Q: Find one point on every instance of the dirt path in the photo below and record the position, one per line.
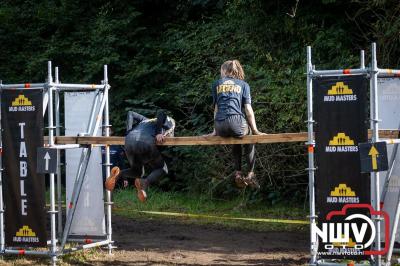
(159, 242)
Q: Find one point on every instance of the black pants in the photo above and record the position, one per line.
(140, 154)
(236, 126)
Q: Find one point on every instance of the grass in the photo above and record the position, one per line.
(201, 209)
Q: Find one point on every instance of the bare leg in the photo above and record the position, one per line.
(250, 150)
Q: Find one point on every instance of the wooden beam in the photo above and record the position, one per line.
(192, 140)
(113, 140)
(215, 140)
(386, 134)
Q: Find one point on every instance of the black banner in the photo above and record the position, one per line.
(24, 189)
(341, 124)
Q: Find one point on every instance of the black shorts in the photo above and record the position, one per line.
(232, 126)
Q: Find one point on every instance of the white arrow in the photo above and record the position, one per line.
(47, 158)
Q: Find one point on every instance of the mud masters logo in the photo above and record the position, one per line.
(26, 235)
(340, 92)
(341, 143)
(342, 194)
(21, 104)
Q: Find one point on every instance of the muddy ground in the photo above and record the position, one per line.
(164, 242)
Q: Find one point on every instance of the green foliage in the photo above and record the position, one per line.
(165, 55)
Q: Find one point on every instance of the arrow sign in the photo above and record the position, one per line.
(373, 157)
(47, 158)
(373, 152)
(47, 161)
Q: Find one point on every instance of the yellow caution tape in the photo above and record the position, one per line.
(190, 215)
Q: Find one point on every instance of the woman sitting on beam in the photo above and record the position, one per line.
(231, 94)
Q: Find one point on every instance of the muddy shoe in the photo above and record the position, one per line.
(141, 185)
(112, 179)
(239, 180)
(252, 181)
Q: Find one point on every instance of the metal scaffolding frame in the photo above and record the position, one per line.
(99, 112)
(59, 235)
(311, 74)
(373, 72)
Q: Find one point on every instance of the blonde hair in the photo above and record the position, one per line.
(232, 69)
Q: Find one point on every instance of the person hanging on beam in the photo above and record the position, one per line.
(234, 117)
(140, 147)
